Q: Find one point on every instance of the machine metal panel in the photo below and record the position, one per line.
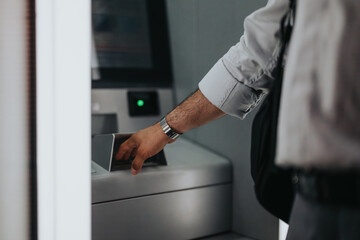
(115, 101)
(182, 215)
(189, 166)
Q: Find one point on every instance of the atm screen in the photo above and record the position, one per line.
(121, 34)
(130, 43)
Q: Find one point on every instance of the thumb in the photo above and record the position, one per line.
(137, 164)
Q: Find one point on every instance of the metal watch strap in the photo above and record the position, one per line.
(168, 130)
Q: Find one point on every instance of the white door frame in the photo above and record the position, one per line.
(63, 119)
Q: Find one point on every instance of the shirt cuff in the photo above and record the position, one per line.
(227, 93)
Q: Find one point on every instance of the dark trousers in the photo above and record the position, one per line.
(313, 221)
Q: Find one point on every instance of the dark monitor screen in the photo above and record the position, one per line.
(121, 34)
(130, 43)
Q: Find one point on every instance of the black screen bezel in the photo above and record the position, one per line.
(160, 75)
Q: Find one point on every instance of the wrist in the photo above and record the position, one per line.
(176, 124)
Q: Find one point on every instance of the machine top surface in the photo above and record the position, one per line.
(189, 166)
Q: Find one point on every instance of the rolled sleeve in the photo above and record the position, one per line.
(237, 82)
(226, 93)
(217, 91)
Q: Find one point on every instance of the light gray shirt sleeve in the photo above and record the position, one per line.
(237, 82)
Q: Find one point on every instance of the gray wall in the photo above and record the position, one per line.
(201, 31)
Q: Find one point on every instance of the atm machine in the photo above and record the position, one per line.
(183, 192)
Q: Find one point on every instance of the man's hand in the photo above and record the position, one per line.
(193, 112)
(143, 145)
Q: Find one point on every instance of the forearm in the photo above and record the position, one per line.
(195, 111)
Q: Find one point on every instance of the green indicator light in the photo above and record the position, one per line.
(140, 103)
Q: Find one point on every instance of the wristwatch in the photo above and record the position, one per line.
(168, 130)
